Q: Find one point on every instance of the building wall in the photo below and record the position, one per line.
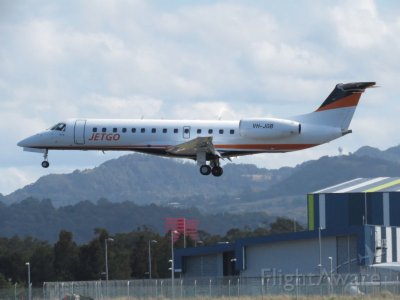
(385, 244)
(286, 257)
(394, 203)
(347, 254)
(204, 265)
(354, 209)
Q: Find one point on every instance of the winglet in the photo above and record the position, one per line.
(345, 95)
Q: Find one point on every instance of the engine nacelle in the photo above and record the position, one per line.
(268, 128)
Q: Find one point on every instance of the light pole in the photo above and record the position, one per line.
(29, 281)
(150, 242)
(106, 243)
(320, 251)
(196, 243)
(331, 272)
(172, 264)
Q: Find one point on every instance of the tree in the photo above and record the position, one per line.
(42, 261)
(66, 257)
(139, 257)
(92, 257)
(283, 225)
(4, 282)
(91, 261)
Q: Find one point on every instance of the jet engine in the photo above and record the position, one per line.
(268, 128)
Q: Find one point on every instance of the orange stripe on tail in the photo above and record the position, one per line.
(348, 101)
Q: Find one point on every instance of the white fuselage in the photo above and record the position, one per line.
(154, 136)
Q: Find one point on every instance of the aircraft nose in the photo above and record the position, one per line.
(28, 142)
(23, 143)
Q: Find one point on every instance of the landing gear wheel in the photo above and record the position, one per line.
(205, 170)
(217, 171)
(45, 163)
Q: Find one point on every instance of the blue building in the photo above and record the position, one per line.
(350, 227)
(356, 202)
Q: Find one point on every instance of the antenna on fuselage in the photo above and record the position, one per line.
(220, 114)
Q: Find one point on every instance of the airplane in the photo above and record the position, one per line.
(206, 141)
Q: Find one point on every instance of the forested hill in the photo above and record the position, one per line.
(145, 179)
(41, 220)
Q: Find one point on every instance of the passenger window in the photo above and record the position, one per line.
(198, 131)
(103, 129)
(94, 129)
(124, 130)
(153, 130)
(176, 130)
(232, 131)
(186, 130)
(133, 130)
(143, 130)
(115, 129)
(210, 131)
(164, 130)
(221, 131)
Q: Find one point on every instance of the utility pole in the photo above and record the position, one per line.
(105, 243)
(150, 242)
(172, 265)
(29, 281)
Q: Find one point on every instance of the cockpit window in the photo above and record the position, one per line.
(59, 127)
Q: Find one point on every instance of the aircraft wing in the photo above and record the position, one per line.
(195, 146)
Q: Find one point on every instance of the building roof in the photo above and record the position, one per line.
(364, 185)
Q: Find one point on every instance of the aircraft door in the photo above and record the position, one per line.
(186, 132)
(79, 132)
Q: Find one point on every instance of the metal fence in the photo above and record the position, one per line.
(295, 286)
(18, 292)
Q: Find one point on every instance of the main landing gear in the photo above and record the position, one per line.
(213, 168)
(45, 162)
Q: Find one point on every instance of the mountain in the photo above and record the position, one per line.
(40, 219)
(144, 179)
(392, 154)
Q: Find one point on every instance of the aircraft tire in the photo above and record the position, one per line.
(45, 164)
(205, 170)
(217, 171)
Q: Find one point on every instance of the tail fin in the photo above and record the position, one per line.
(338, 108)
(345, 95)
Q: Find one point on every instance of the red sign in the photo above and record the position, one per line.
(183, 226)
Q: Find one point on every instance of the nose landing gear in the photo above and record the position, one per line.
(45, 162)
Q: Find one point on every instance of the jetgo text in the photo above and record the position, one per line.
(105, 137)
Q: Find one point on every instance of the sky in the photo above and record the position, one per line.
(190, 60)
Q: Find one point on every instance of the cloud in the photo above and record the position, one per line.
(200, 60)
(205, 111)
(360, 27)
(13, 178)
(132, 107)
